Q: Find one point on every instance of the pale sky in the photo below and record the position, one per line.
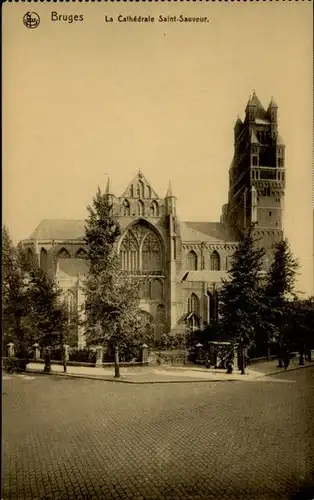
(85, 100)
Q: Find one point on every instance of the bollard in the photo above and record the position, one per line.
(10, 350)
(144, 353)
(235, 359)
(66, 348)
(199, 352)
(36, 352)
(99, 356)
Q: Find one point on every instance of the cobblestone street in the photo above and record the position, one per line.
(70, 438)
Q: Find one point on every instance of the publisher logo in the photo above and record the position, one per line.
(31, 20)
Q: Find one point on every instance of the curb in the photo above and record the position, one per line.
(146, 382)
(282, 370)
(121, 381)
(140, 382)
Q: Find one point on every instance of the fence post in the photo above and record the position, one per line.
(99, 356)
(10, 350)
(199, 353)
(36, 352)
(144, 353)
(235, 358)
(66, 352)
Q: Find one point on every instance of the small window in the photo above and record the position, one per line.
(253, 174)
(254, 161)
(269, 213)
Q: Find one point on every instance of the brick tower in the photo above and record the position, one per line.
(257, 173)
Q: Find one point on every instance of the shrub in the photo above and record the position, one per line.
(171, 357)
(56, 354)
(85, 355)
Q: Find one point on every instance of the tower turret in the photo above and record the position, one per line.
(251, 109)
(272, 113)
(170, 201)
(237, 128)
(108, 193)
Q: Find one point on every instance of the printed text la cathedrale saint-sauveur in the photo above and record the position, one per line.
(74, 18)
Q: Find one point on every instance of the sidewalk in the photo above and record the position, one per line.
(260, 371)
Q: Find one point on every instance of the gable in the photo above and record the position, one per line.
(139, 187)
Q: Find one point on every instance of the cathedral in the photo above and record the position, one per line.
(183, 261)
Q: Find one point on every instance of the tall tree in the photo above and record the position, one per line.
(14, 300)
(101, 233)
(279, 292)
(301, 326)
(47, 314)
(241, 306)
(111, 295)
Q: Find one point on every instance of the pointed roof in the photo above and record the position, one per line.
(272, 104)
(280, 141)
(254, 139)
(108, 191)
(139, 177)
(169, 191)
(238, 122)
(254, 101)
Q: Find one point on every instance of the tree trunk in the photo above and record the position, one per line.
(116, 362)
(301, 360)
(47, 367)
(63, 354)
(280, 357)
(64, 360)
(242, 361)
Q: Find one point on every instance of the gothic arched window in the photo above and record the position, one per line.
(174, 248)
(129, 255)
(70, 302)
(192, 261)
(213, 304)
(215, 261)
(30, 257)
(145, 290)
(43, 260)
(141, 250)
(149, 192)
(142, 189)
(140, 208)
(154, 209)
(132, 191)
(193, 319)
(156, 289)
(160, 320)
(194, 304)
(80, 254)
(64, 254)
(151, 253)
(126, 208)
(160, 314)
(208, 306)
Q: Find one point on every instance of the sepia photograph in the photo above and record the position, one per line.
(157, 245)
